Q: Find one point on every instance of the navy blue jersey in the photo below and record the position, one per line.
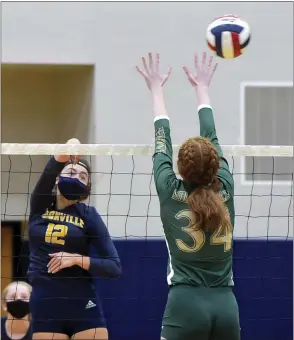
(71, 230)
(4, 335)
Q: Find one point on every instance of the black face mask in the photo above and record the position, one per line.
(18, 308)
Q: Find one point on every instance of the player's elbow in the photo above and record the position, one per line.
(107, 268)
(116, 270)
(210, 134)
(112, 269)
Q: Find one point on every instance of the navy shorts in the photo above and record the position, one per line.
(65, 307)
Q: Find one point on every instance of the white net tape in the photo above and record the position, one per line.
(134, 150)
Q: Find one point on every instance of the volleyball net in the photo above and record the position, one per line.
(123, 188)
(124, 194)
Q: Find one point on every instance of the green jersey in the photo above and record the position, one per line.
(195, 257)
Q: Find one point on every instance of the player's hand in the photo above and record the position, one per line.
(151, 73)
(60, 261)
(203, 73)
(67, 158)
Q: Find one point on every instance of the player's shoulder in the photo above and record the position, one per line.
(227, 184)
(87, 210)
(226, 192)
(226, 178)
(179, 192)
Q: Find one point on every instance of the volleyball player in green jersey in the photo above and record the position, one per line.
(197, 214)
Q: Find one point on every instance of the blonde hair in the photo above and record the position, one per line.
(22, 283)
(198, 163)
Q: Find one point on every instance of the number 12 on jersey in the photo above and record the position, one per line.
(198, 236)
(55, 233)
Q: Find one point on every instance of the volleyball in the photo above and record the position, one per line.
(228, 36)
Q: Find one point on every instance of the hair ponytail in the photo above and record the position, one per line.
(198, 163)
(208, 208)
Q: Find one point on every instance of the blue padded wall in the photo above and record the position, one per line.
(263, 272)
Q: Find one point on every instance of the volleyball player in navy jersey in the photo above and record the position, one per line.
(64, 303)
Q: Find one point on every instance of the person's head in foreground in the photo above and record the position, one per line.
(16, 297)
(74, 182)
(198, 163)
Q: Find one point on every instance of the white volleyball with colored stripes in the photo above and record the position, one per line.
(228, 36)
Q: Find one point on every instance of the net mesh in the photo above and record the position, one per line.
(124, 194)
(123, 188)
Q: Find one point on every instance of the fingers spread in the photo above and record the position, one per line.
(187, 71)
(145, 65)
(196, 64)
(157, 62)
(212, 72)
(214, 68)
(141, 72)
(210, 61)
(151, 72)
(150, 61)
(167, 75)
(203, 59)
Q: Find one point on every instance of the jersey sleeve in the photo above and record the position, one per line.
(108, 263)
(3, 332)
(164, 176)
(207, 129)
(41, 197)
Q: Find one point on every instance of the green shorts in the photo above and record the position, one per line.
(201, 313)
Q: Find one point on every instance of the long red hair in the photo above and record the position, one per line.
(198, 163)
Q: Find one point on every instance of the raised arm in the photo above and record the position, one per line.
(201, 81)
(42, 197)
(164, 176)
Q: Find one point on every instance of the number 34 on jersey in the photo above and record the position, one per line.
(198, 236)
